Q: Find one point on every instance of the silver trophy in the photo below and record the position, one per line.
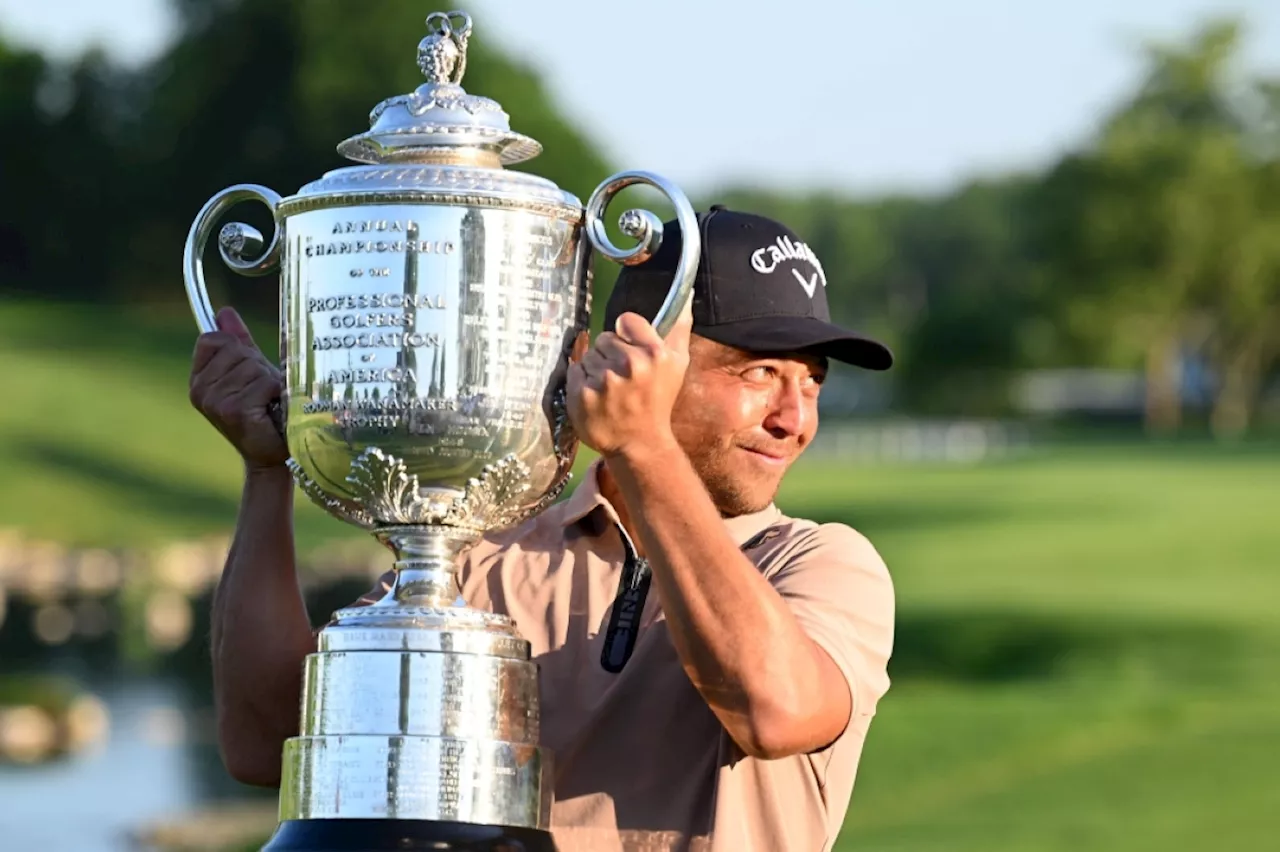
(429, 302)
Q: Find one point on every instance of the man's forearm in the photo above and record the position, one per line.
(771, 687)
(261, 632)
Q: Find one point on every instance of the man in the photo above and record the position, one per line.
(709, 666)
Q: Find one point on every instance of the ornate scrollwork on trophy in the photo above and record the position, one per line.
(386, 489)
(417, 103)
(343, 510)
(238, 240)
(490, 500)
(387, 494)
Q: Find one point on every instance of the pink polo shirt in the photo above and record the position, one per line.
(641, 763)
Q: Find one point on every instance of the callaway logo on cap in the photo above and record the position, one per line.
(759, 287)
(768, 258)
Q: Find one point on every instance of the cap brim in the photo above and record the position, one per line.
(801, 334)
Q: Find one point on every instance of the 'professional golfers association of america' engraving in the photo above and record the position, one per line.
(429, 302)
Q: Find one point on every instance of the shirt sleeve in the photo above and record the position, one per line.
(840, 591)
(379, 589)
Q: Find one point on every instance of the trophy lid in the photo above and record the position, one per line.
(439, 122)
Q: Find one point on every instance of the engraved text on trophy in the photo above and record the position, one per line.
(427, 321)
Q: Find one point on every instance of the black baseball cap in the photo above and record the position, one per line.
(759, 287)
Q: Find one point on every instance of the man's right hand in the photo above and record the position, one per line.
(232, 385)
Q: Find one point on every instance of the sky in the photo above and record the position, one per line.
(862, 96)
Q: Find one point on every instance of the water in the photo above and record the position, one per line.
(157, 764)
(159, 760)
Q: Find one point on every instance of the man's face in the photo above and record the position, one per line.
(743, 418)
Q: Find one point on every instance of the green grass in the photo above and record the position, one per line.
(1087, 652)
(99, 441)
(1087, 764)
(1186, 532)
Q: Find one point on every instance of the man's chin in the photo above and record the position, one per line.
(755, 497)
(736, 486)
(739, 510)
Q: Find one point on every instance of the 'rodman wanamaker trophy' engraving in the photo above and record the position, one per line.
(429, 302)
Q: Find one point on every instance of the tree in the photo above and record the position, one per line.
(1239, 291)
(946, 281)
(21, 74)
(248, 92)
(1150, 232)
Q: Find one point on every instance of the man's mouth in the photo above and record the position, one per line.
(773, 456)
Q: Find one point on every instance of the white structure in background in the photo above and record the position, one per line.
(1084, 391)
(920, 441)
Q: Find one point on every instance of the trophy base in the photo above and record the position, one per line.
(377, 835)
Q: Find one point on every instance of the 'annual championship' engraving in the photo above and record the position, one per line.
(379, 246)
(377, 227)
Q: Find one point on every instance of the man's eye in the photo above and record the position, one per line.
(757, 374)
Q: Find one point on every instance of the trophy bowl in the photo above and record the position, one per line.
(429, 303)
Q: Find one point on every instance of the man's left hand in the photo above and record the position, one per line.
(621, 392)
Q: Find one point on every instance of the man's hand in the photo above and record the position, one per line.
(621, 392)
(232, 385)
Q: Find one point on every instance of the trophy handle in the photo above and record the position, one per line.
(235, 241)
(646, 228)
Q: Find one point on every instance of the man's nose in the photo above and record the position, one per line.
(792, 412)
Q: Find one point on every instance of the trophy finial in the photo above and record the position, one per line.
(442, 54)
(439, 121)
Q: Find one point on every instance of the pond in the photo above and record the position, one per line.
(159, 763)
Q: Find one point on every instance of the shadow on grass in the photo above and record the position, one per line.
(992, 646)
(183, 502)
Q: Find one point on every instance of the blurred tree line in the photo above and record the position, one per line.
(1155, 245)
